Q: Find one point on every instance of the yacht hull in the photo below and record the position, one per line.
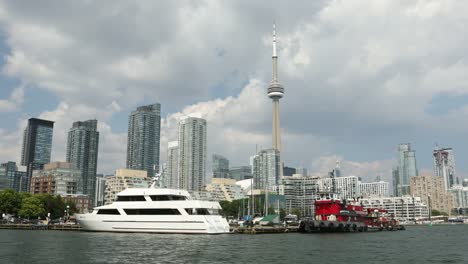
(194, 224)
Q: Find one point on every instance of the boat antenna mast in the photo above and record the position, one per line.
(155, 180)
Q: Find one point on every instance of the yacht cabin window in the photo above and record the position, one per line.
(152, 211)
(108, 212)
(168, 197)
(201, 211)
(134, 198)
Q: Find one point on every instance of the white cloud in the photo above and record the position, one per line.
(14, 102)
(367, 170)
(350, 80)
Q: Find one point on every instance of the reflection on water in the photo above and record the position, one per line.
(436, 244)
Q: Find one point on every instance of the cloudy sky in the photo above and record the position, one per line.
(359, 76)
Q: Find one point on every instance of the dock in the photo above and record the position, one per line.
(264, 229)
(41, 227)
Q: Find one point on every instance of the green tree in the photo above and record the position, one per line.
(52, 204)
(233, 208)
(282, 213)
(71, 207)
(296, 211)
(10, 202)
(435, 212)
(32, 207)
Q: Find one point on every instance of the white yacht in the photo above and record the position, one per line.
(155, 210)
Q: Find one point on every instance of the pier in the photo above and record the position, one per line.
(41, 227)
(264, 229)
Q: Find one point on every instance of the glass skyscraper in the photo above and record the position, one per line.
(192, 153)
(266, 169)
(172, 164)
(144, 132)
(240, 173)
(220, 166)
(12, 178)
(444, 166)
(406, 169)
(82, 153)
(37, 145)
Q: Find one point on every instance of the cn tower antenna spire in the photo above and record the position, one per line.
(275, 55)
(275, 92)
(274, 39)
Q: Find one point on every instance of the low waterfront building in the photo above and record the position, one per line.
(374, 189)
(123, 179)
(57, 178)
(225, 189)
(300, 192)
(81, 201)
(465, 183)
(460, 196)
(404, 208)
(431, 189)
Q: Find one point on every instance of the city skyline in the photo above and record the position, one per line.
(344, 101)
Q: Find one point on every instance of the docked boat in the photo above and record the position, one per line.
(156, 210)
(336, 215)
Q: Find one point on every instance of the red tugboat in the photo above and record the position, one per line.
(335, 215)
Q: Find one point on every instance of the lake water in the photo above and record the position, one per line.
(418, 244)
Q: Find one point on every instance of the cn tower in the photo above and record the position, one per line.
(276, 92)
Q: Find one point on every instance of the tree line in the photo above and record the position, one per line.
(238, 207)
(33, 206)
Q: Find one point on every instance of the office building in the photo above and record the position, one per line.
(288, 171)
(300, 193)
(82, 153)
(37, 145)
(465, 183)
(444, 166)
(100, 192)
(406, 169)
(13, 178)
(346, 187)
(432, 191)
(302, 171)
(172, 164)
(220, 166)
(123, 179)
(240, 173)
(374, 189)
(266, 169)
(144, 132)
(192, 153)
